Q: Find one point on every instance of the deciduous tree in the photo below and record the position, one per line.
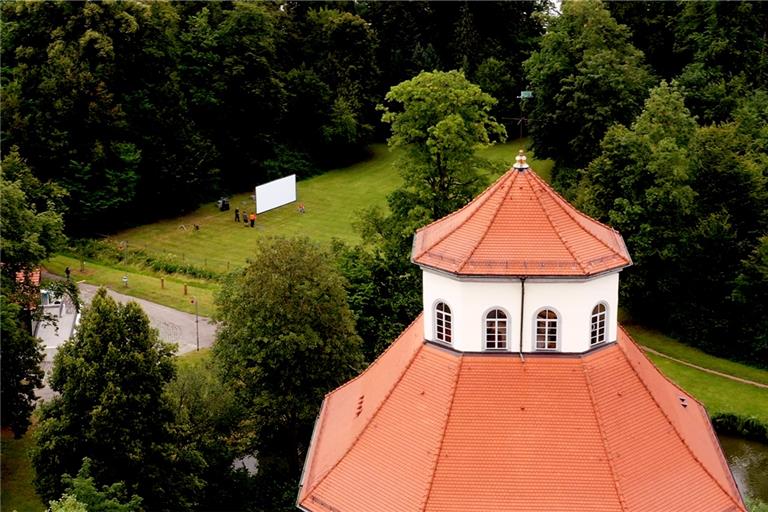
(112, 408)
(32, 229)
(286, 338)
(585, 77)
(439, 119)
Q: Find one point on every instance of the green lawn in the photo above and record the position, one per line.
(718, 394)
(332, 201)
(142, 284)
(17, 492)
(671, 347)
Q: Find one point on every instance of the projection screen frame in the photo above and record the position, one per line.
(275, 193)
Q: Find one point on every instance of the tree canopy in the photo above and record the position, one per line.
(441, 119)
(112, 409)
(692, 204)
(32, 229)
(585, 77)
(286, 338)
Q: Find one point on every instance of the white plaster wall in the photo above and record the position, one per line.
(469, 300)
(573, 302)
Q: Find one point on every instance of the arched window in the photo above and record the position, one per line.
(546, 330)
(443, 322)
(597, 325)
(496, 329)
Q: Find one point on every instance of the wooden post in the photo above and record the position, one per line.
(185, 289)
(227, 266)
(162, 283)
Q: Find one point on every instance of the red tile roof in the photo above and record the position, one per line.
(29, 276)
(520, 226)
(429, 429)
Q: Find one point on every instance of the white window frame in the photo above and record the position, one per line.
(558, 327)
(444, 318)
(497, 321)
(594, 321)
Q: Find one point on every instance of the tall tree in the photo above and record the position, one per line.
(653, 26)
(286, 338)
(640, 185)
(726, 47)
(585, 77)
(692, 203)
(439, 119)
(32, 230)
(112, 408)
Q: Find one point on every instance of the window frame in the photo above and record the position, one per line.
(605, 324)
(484, 327)
(435, 320)
(558, 329)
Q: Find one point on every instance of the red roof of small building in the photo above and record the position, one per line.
(29, 276)
(425, 428)
(520, 227)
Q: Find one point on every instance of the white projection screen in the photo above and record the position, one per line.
(275, 193)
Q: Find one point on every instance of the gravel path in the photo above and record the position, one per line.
(174, 327)
(707, 370)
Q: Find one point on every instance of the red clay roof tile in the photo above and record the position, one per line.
(520, 226)
(447, 431)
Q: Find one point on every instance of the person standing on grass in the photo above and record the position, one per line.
(67, 271)
(245, 219)
(237, 214)
(253, 219)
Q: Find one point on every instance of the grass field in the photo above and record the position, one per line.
(332, 202)
(17, 492)
(142, 284)
(718, 394)
(673, 348)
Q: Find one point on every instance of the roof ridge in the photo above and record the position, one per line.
(487, 193)
(557, 232)
(490, 222)
(603, 438)
(442, 437)
(392, 344)
(321, 479)
(666, 417)
(569, 211)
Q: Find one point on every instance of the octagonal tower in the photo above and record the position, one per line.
(520, 269)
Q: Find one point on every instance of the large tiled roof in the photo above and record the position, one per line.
(520, 227)
(425, 428)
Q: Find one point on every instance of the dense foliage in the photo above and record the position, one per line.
(164, 105)
(692, 204)
(586, 76)
(440, 120)
(112, 409)
(286, 337)
(32, 229)
(83, 494)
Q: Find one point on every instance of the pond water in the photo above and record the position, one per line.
(749, 464)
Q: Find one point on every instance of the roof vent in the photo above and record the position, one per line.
(683, 401)
(520, 162)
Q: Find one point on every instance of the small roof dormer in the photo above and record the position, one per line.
(520, 227)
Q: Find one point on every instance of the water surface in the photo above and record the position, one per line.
(749, 464)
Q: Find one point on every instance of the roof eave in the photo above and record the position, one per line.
(580, 276)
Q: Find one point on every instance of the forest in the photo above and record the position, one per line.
(116, 114)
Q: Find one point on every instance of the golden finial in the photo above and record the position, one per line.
(520, 161)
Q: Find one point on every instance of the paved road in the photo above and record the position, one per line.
(174, 327)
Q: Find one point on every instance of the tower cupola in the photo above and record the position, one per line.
(520, 269)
